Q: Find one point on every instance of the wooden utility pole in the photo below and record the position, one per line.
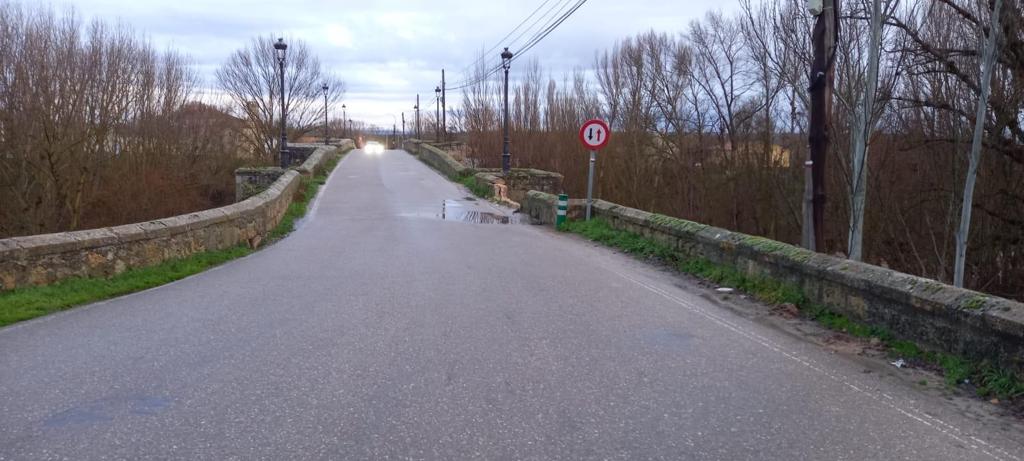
(826, 31)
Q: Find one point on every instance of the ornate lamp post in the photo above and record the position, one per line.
(417, 109)
(344, 121)
(506, 156)
(326, 137)
(280, 49)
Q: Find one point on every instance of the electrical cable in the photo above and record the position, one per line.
(499, 42)
(539, 36)
(547, 19)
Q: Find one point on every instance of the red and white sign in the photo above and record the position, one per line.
(594, 134)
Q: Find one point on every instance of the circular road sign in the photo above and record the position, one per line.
(594, 134)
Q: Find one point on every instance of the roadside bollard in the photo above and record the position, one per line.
(563, 206)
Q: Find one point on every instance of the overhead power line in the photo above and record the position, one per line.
(537, 37)
(499, 42)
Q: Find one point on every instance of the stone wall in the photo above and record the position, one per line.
(509, 190)
(44, 259)
(522, 180)
(316, 159)
(940, 316)
(438, 159)
(251, 181)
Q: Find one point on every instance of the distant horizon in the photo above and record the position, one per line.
(388, 51)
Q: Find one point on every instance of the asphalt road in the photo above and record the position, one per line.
(379, 330)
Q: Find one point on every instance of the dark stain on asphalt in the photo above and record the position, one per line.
(108, 409)
(668, 338)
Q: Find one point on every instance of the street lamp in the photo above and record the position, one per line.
(326, 137)
(394, 129)
(344, 117)
(506, 156)
(437, 119)
(280, 49)
(417, 108)
(403, 127)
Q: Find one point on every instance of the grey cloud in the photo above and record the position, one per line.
(387, 50)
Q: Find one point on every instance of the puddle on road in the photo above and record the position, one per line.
(452, 210)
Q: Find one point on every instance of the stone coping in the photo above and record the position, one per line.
(439, 159)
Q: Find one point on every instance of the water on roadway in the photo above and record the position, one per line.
(379, 330)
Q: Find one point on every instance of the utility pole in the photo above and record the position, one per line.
(444, 111)
(417, 116)
(824, 35)
(437, 116)
(403, 126)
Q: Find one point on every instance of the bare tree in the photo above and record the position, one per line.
(866, 115)
(97, 128)
(710, 126)
(250, 78)
(988, 60)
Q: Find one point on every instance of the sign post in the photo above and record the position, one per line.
(594, 135)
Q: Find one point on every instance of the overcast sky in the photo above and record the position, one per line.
(388, 50)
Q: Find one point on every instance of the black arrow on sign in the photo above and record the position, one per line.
(590, 134)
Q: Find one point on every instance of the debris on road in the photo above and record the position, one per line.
(725, 290)
(788, 310)
(899, 363)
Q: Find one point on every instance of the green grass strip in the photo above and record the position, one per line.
(478, 190)
(31, 302)
(28, 303)
(988, 379)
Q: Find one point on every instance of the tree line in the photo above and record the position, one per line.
(98, 128)
(710, 124)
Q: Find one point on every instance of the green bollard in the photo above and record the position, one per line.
(563, 207)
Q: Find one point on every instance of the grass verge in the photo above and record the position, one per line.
(478, 190)
(28, 303)
(986, 379)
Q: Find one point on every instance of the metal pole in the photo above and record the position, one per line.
(326, 137)
(506, 156)
(403, 126)
(344, 121)
(590, 182)
(437, 114)
(444, 111)
(418, 116)
(285, 155)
